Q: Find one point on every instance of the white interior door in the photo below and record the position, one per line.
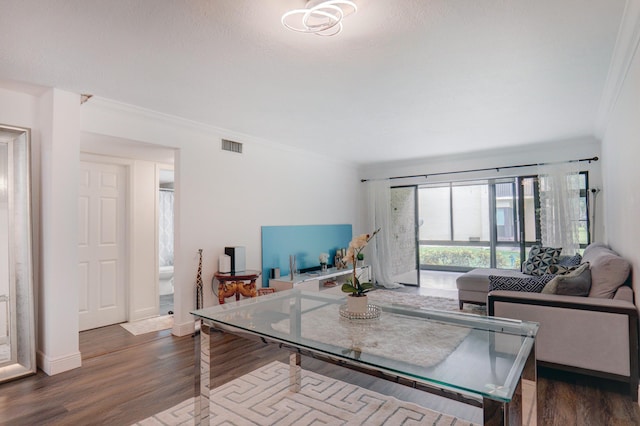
(101, 244)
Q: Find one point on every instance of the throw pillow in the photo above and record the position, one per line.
(608, 271)
(595, 247)
(540, 259)
(529, 284)
(574, 260)
(559, 269)
(575, 283)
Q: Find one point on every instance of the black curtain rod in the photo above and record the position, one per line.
(497, 169)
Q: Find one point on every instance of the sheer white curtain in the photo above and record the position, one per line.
(560, 206)
(379, 216)
(165, 236)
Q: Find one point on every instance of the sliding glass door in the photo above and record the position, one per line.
(479, 224)
(458, 226)
(404, 244)
(455, 233)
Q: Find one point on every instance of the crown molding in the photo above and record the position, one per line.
(626, 48)
(187, 126)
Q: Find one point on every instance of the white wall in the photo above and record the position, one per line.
(621, 156)
(223, 198)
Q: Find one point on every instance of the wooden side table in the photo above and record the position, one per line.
(236, 283)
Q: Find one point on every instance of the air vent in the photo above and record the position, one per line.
(231, 146)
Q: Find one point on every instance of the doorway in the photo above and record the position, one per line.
(142, 162)
(165, 240)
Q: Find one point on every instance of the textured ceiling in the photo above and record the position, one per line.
(405, 79)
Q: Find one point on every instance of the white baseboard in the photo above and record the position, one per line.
(183, 329)
(58, 365)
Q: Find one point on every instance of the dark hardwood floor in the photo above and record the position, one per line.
(126, 378)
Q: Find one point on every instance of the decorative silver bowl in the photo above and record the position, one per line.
(372, 312)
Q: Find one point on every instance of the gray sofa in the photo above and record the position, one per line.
(595, 335)
(608, 272)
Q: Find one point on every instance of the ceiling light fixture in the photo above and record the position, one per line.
(319, 17)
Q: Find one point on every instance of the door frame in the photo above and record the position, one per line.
(127, 164)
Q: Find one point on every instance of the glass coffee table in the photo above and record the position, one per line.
(474, 359)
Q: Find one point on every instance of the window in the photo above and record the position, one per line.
(436, 218)
(488, 223)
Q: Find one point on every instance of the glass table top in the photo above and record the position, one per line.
(480, 355)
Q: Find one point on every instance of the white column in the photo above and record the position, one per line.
(58, 347)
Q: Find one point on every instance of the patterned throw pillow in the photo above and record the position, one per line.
(574, 260)
(529, 284)
(540, 260)
(559, 269)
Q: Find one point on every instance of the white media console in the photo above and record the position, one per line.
(331, 280)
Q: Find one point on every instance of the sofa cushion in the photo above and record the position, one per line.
(478, 279)
(530, 284)
(595, 247)
(575, 283)
(540, 260)
(608, 270)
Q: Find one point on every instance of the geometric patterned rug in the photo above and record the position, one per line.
(262, 398)
(148, 325)
(429, 302)
(430, 343)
